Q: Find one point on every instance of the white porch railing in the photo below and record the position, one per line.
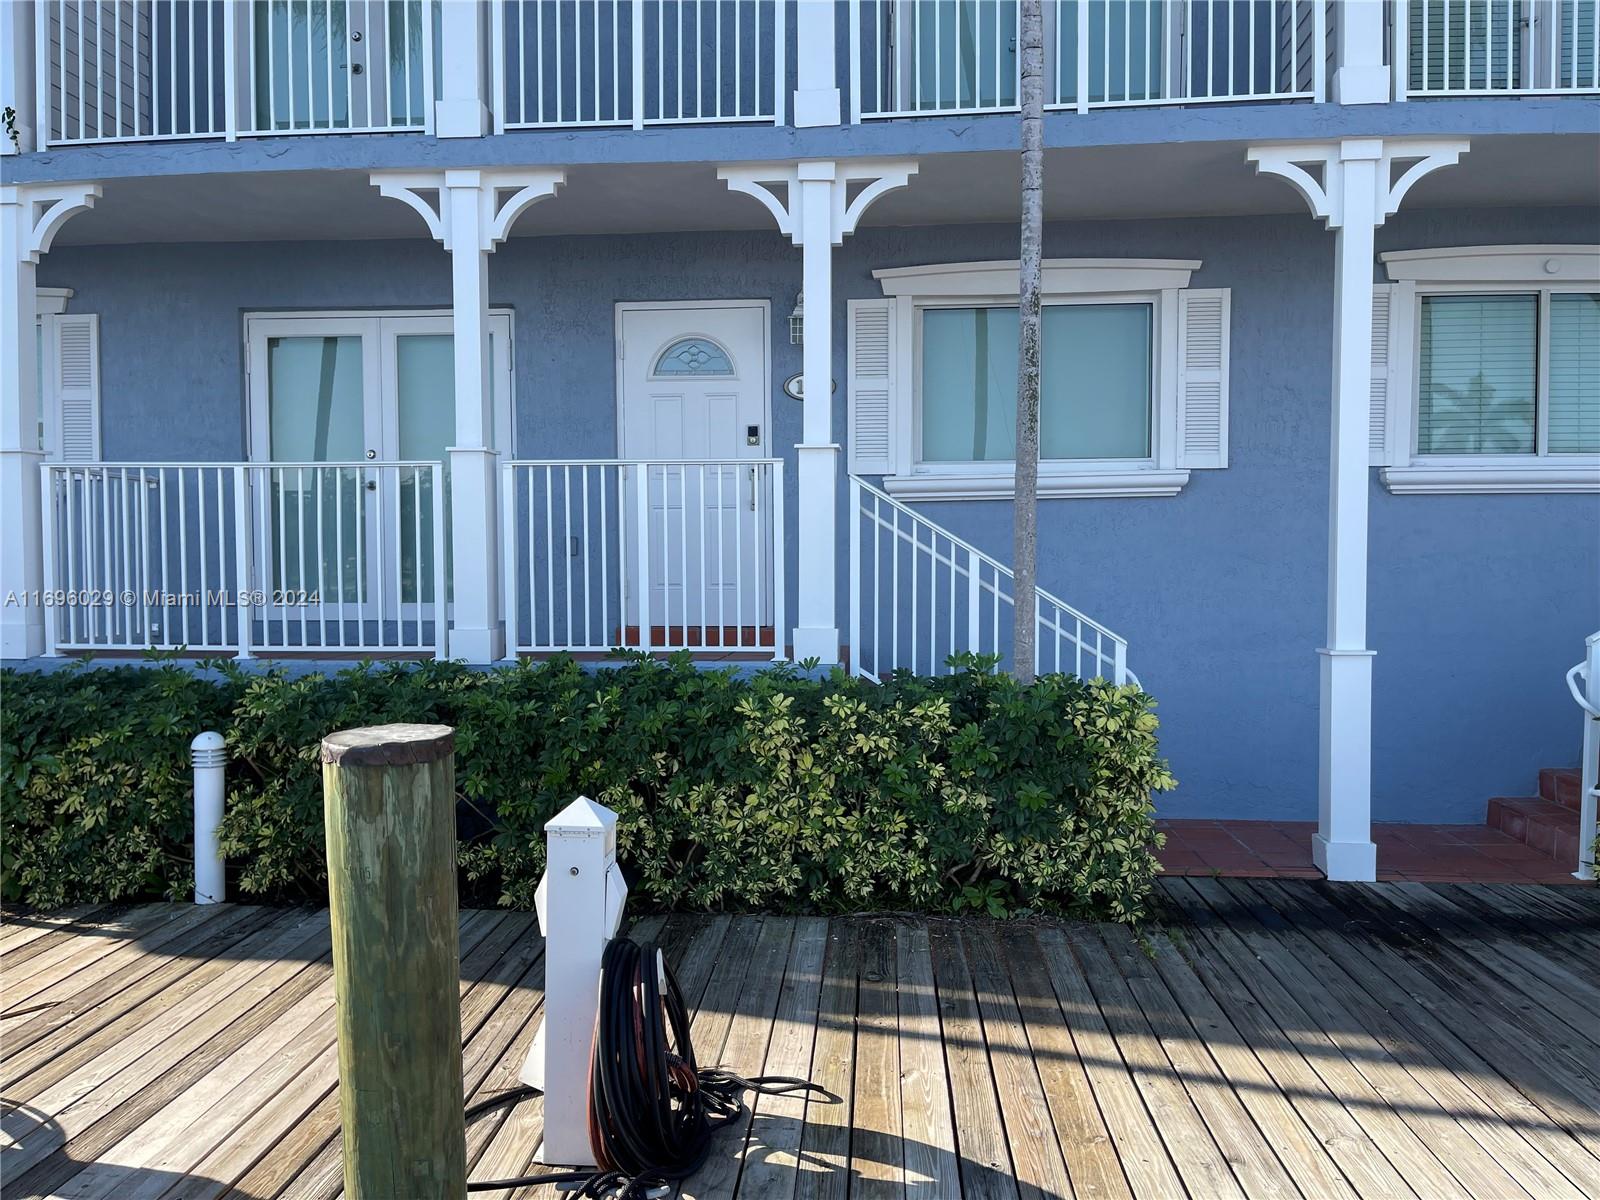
(137, 70)
(566, 63)
(1495, 47)
(919, 594)
(652, 555)
(946, 57)
(1583, 681)
(245, 557)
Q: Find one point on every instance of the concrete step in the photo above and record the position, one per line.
(1541, 824)
(1561, 785)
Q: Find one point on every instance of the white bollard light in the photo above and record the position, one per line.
(210, 757)
(580, 901)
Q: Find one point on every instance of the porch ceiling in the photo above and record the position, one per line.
(1121, 182)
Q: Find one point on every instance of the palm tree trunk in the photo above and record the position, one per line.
(1025, 537)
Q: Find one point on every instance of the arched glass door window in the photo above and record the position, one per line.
(693, 356)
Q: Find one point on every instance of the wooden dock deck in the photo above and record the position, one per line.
(1270, 1038)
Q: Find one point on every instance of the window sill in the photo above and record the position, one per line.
(1577, 474)
(1001, 485)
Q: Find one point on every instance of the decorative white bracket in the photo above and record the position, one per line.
(47, 207)
(504, 194)
(1326, 195)
(762, 180)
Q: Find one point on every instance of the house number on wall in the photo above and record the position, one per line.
(794, 387)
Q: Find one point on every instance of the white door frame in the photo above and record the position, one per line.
(767, 448)
(378, 329)
(626, 306)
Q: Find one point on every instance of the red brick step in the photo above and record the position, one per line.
(1543, 825)
(1561, 785)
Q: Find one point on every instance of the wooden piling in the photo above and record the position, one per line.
(389, 805)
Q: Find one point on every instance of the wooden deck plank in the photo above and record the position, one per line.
(825, 1139)
(984, 1157)
(1360, 1028)
(1431, 1055)
(742, 1052)
(1328, 1041)
(1408, 1154)
(1141, 1152)
(17, 929)
(771, 1157)
(1205, 1170)
(1248, 1148)
(877, 1156)
(75, 952)
(1470, 1080)
(94, 1007)
(1182, 957)
(928, 1128)
(1041, 1170)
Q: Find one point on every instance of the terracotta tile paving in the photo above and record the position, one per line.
(1420, 853)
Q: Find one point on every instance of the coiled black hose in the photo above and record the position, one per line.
(652, 1110)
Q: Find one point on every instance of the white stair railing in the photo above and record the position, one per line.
(1587, 694)
(245, 558)
(919, 594)
(647, 554)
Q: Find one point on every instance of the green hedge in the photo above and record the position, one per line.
(772, 790)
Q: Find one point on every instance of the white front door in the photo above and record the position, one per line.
(694, 386)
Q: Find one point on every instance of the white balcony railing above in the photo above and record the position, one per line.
(919, 594)
(1495, 47)
(137, 70)
(347, 558)
(931, 57)
(565, 63)
(651, 555)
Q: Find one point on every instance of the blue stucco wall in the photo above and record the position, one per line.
(1478, 604)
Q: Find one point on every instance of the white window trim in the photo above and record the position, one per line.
(1543, 269)
(1065, 281)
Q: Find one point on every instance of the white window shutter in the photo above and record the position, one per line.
(870, 370)
(1383, 323)
(1203, 315)
(75, 349)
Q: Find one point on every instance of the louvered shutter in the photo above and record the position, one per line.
(1203, 377)
(1383, 324)
(75, 346)
(870, 371)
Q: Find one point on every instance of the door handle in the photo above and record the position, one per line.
(752, 489)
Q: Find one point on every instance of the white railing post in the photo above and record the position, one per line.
(580, 902)
(816, 95)
(209, 755)
(441, 596)
(854, 516)
(1082, 81)
(1360, 76)
(638, 64)
(230, 70)
(974, 598)
(1119, 655)
(242, 512)
(1400, 50)
(780, 576)
(510, 575)
(641, 540)
(47, 505)
(21, 65)
(460, 110)
(780, 61)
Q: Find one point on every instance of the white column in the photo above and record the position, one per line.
(21, 545)
(17, 88)
(1360, 76)
(816, 212)
(816, 632)
(1356, 193)
(30, 215)
(470, 220)
(816, 96)
(460, 110)
(476, 633)
(1343, 845)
